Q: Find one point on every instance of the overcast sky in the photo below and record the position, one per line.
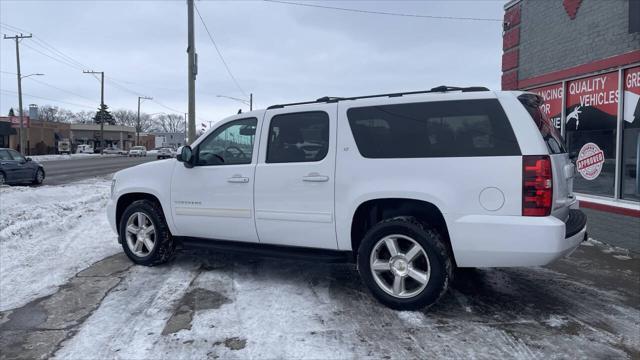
(279, 52)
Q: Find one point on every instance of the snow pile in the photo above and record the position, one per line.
(55, 157)
(48, 234)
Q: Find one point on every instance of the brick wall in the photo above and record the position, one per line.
(550, 40)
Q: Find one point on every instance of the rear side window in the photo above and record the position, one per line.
(4, 155)
(459, 128)
(549, 133)
(298, 137)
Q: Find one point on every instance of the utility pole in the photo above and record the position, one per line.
(251, 102)
(192, 72)
(138, 122)
(101, 102)
(21, 133)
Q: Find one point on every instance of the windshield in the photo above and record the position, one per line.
(549, 132)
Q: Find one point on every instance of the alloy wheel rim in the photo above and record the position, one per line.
(400, 266)
(39, 176)
(140, 234)
(1, 179)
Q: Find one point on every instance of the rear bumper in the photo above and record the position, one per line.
(506, 241)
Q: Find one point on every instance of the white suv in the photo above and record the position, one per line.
(408, 185)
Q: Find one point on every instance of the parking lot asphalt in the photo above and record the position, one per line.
(65, 171)
(207, 305)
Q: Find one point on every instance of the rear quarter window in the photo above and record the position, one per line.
(458, 128)
(549, 133)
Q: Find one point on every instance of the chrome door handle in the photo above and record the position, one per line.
(238, 179)
(315, 177)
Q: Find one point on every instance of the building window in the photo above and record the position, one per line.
(630, 165)
(591, 118)
(634, 18)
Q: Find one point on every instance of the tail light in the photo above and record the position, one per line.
(537, 185)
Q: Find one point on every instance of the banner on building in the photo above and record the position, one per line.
(592, 103)
(15, 121)
(632, 95)
(552, 106)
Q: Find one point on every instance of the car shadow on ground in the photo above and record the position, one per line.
(533, 310)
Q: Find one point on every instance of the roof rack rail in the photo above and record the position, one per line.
(331, 99)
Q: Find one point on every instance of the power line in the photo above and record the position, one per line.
(53, 58)
(167, 107)
(48, 50)
(61, 89)
(384, 12)
(45, 98)
(219, 53)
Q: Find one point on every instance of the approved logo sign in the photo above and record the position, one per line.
(590, 160)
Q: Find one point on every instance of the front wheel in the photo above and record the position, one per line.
(3, 179)
(405, 264)
(39, 177)
(144, 234)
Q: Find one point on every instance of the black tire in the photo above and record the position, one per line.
(3, 179)
(441, 266)
(164, 249)
(37, 180)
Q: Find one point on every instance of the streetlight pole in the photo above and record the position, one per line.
(101, 103)
(138, 122)
(192, 70)
(21, 116)
(21, 134)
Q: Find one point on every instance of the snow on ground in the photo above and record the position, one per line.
(55, 157)
(208, 305)
(48, 234)
(233, 307)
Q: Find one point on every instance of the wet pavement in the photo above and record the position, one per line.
(206, 305)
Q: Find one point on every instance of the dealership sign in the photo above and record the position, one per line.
(15, 121)
(552, 107)
(632, 95)
(592, 102)
(590, 160)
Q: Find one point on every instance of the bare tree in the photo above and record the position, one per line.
(171, 123)
(55, 114)
(48, 112)
(125, 117)
(84, 117)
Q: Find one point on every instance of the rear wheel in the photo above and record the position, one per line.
(404, 264)
(144, 234)
(3, 179)
(39, 177)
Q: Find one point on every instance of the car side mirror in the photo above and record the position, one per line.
(185, 156)
(28, 159)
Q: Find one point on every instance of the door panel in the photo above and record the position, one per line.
(214, 199)
(294, 190)
(9, 166)
(23, 171)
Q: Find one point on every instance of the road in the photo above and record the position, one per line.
(65, 171)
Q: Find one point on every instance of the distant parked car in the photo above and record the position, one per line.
(114, 150)
(16, 168)
(165, 153)
(138, 151)
(84, 149)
